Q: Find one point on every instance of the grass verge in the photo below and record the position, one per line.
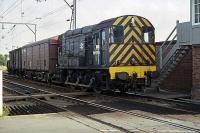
(6, 111)
(4, 68)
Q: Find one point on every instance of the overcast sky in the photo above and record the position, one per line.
(51, 16)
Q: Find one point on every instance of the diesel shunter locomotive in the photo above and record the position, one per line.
(118, 53)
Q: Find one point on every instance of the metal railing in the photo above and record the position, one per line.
(168, 48)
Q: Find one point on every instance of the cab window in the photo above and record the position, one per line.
(116, 34)
(148, 35)
(103, 36)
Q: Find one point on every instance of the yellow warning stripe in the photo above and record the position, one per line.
(133, 52)
(142, 53)
(138, 21)
(120, 47)
(138, 30)
(137, 55)
(116, 52)
(136, 37)
(127, 57)
(128, 38)
(123, 52)
(127, 20)
(148, 51)
(112, 47)
(153, 47)
(126, 30)
(118, 20)
(146, 22)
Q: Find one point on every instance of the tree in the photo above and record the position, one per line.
(3, 59)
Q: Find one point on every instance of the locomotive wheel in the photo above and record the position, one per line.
(95, 87)
(97, 90)
(72, 87)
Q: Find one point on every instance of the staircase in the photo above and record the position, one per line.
(169, 55)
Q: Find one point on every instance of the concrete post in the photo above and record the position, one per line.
(1, 93)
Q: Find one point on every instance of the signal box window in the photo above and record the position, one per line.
(116, 34)
(196, 11)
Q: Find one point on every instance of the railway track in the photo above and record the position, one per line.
(59, 89)
(31, 105)
(47, 107)
(174, 104)
(95, 107)
(55, 87)
(180, 105)
(177, 105)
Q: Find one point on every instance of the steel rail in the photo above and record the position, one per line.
(64, 110)
(178, 101)
(118, 110)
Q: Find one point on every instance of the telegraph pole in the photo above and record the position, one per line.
(74, 3)
(73, 17)
(34, 31)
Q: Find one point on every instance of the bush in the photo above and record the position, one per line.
(6, 111)
(3, 60)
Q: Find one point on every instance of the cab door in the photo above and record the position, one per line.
(104, 50)
(96, 49)
(99, 48)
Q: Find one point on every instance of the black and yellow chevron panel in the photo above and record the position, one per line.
(133, 52)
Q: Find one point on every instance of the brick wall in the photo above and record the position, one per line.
(196, 72)
(180, 80)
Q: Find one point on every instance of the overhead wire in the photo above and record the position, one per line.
(9, 10)
(13, 9)
(1, 3)
(50, 13)
(42, 17)
(45, 16)
(22, 12)
(3, 12)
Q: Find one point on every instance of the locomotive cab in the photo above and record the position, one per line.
(102, 39)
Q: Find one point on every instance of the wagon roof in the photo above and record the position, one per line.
(42, 41)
